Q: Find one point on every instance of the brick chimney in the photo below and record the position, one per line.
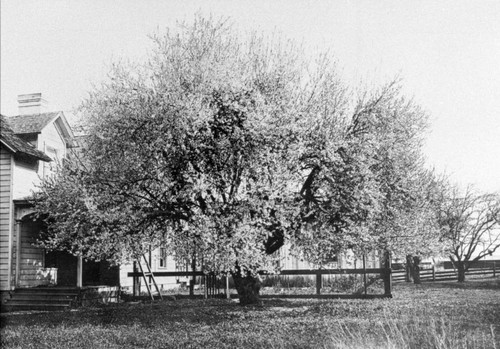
(31, 103)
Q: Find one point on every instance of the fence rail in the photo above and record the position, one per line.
(282, 272)
(431, 274)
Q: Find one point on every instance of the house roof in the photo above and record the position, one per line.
(16, 144)
(33, 123)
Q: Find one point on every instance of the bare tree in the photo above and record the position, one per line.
(470, 226)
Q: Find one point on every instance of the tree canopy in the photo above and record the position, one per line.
(469, 224)
(232, 146)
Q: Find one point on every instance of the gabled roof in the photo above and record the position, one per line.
(33, 123)
(16, 144)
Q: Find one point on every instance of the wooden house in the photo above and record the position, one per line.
(31, 143)
(17, 158)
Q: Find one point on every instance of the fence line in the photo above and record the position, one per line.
(431, 274)
(210, 281)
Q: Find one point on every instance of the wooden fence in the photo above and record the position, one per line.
(215, 286)
(431, 274)
(212, 283)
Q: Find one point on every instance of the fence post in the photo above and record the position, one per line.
(318, 282)
(364, 273)
(409, 269)
(228, 295)
(150, 261)
(433, 273)
(387, 274)
(205, 279)
(135, 280)
(494, 269)
(192, 281)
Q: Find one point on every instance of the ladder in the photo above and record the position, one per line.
(146, 272)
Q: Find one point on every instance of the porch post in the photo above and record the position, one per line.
(18, 252)
(79, 272)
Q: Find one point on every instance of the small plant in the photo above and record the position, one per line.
(285, 281)
(342, 283)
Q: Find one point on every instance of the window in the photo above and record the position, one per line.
(163, 258)
(50, 167)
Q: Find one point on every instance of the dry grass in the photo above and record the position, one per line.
(432, 315)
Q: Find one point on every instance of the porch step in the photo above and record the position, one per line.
(30, 306)
(46, 298)
(41, 298)
(51, 290)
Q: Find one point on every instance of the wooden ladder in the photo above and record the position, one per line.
(148, 273)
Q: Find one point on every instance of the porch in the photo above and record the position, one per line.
(33, 266)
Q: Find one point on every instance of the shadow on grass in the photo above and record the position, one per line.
(203, 312)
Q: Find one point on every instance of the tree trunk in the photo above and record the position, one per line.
(248, 288)
(461, 271)
(416, 270)
(193, 278)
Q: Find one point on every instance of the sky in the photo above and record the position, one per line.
(447, 54)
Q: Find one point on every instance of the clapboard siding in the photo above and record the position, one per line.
(26, 179)
(5, 215)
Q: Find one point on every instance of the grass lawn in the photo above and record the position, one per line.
(431, 315)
